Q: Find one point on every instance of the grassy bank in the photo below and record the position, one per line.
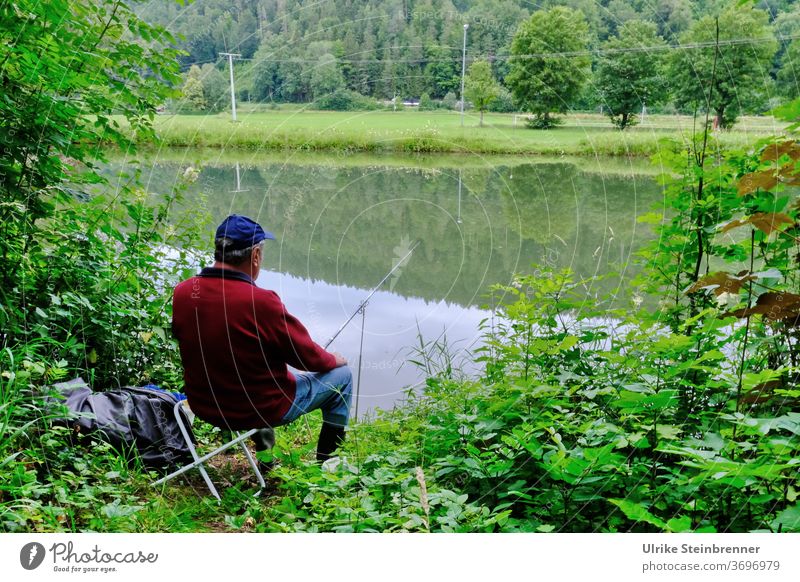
(437, 132)
(226, 157)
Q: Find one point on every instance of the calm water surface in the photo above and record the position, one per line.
(341, 226)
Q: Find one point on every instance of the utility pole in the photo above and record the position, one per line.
(463, 71)
(238, 181)
(458, 220)
(233, 89)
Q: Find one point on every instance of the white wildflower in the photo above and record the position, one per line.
(191, 174)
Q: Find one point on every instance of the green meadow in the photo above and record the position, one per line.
(410, 131)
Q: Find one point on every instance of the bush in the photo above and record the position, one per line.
(543, 121)
(426, 103)
(86, 261)
(449, 101)
(345, 100)
(503, 103)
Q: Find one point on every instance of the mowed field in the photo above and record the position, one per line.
(439, 131)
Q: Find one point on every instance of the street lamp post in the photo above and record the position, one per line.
(463, 71)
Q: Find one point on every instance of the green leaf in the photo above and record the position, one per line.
(116, 509)
(650, 218)
(638, 402)
(667, 431)
(638, 513)
(680, 524)
(788, 519)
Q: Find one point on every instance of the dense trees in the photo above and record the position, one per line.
(294, 51)
(788, 79)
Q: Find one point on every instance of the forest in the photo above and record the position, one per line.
(294, 52)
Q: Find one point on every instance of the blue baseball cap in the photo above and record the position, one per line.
(242, 231)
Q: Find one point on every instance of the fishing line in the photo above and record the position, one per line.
(360, 355)
(362, 308)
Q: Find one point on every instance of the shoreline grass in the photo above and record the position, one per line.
(422, 132)
(224, 157)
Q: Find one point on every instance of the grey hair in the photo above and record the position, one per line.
(232, 256)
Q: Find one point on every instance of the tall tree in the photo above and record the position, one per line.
(265, 76)
(630, 73)
(549, 64)
(293, 87)
(786, 27)
(732, 78)
(620, 12)
(480, 86)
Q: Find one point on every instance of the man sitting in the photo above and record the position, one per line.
(236, 340)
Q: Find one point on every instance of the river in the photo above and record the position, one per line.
(342, 222)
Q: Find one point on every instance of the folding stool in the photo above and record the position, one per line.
(198, 461)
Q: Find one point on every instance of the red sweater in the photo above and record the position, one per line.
(236, 340)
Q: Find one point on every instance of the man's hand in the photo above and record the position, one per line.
(340, 359)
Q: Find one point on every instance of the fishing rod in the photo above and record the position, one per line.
(363, 304)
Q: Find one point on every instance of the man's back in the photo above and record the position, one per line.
(236, 340)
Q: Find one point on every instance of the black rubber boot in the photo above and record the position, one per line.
(330, 437)
(264, 439)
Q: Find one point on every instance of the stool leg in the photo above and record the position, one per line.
(253, 464)
(200, 466)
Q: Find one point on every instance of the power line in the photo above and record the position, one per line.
(543, 55)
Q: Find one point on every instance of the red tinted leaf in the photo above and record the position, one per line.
(762, 392)
(774, 306)
(773, 152)
(722, 282)
(766, 222)
(749, 183)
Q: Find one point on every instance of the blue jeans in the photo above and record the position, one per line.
(330, 391)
